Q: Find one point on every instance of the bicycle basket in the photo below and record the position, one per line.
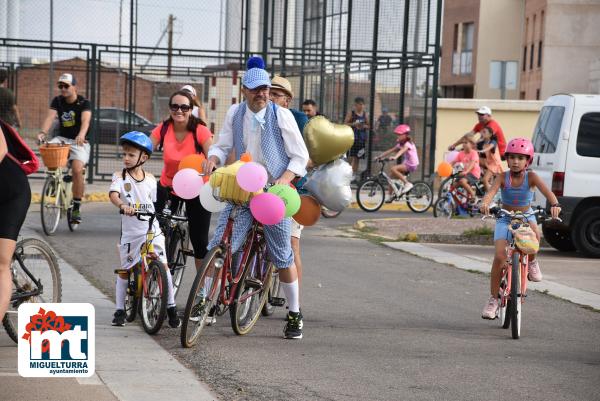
(525, 239)
(55, 155)
(226, 189)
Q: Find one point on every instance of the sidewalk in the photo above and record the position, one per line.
(566, 275)
(130, 365)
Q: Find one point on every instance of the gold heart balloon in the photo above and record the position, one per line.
(327, 141)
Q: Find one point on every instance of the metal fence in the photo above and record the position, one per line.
(331, 51)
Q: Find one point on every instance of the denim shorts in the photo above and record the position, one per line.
(502, 232)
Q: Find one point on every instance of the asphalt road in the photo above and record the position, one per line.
(379, 324)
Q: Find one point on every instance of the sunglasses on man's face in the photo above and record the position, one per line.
(183, 107)
(63, 86)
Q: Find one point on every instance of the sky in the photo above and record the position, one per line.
(97, 21)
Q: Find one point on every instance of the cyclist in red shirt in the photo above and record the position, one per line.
(484, 115)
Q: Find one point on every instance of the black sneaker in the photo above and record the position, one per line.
(293, 328)
(119, 319)
(174, 320)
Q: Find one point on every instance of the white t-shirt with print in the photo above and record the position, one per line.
(140, 195)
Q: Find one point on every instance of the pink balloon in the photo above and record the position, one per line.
(187, 183)
(450, 156)
(267, 208)
(252, 177)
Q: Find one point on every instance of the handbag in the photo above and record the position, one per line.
(526, 240)
(22, 153)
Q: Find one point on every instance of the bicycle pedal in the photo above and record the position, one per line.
(119, 271)
(254, 283)
(275, 301)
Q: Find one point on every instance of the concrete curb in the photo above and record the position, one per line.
(574, 295)
(124, 350)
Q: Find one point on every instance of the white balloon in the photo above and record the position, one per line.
(208, 201)
(330, 185)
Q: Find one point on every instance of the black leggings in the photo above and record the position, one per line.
(15, 196)
(198, 218)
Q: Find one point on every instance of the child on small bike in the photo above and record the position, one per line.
(517, 186)
(471, 173)
(404, 146)
(134, 189)
(493, 163)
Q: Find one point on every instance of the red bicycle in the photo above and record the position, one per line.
(237, 282)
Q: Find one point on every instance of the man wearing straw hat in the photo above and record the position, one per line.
(270, 134)
(74, 116)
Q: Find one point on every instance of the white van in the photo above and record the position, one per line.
(567, 158)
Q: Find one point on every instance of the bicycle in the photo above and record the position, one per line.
(237, 282)
(513, 282)
(36, 278)
(147, 283)
(174, 225)
(57, 195)
(453, 198)
(371, 192)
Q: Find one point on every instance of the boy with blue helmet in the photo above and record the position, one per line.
(134, 189)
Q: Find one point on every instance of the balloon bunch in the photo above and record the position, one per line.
(187, 182)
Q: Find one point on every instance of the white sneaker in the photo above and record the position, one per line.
(490, 310)
(535, 274)
(407, 187)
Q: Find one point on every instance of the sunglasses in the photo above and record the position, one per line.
(63, 86)
(183, 107)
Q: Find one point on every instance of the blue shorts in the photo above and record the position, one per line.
(502, 232)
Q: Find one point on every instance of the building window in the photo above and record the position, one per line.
(455, 43)
(531, 56)
(539, 54)
(537, 94)
(524, 67)
(462, 60)
(588, 140)
(522, 95)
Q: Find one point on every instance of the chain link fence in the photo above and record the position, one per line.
(330, 50)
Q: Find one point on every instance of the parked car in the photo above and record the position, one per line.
(112, 124)
(567, 158)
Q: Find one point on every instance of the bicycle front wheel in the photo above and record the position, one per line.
(370, 195)
(445, 187)
(72, 225)
(203, 296)
(39, 260)
(50, 205)
(153, 301)
(515, 296)
(251, 294)
(420, 197)
(443, 208)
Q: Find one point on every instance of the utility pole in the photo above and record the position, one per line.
(170, 45)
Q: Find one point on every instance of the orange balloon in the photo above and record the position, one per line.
(309, 211)
(193, 161)
(246, 157)
(444, 169)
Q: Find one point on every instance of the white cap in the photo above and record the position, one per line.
(68, 79)
(484, 110)
(189, 88)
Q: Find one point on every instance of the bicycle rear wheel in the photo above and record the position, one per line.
(445, 187)
(50, 205)
(39, 259)
(269, 308)
(153, 300)
(134, 289)
(203, 296)
(177, 258)
(251, 294)
(515, 296)
(420, 197)
(370, 195)
(443, 208)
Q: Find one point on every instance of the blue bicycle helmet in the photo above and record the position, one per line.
(138, 140)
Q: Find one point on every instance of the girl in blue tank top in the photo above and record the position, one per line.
(517, 186)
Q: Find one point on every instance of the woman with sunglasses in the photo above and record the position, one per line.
(175, 136)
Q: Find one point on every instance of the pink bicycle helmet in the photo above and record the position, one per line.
(402, 129)
(520, 146)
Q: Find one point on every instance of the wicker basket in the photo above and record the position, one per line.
(226, 189)
(55, 155)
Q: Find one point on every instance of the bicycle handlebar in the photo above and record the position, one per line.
(497, 213)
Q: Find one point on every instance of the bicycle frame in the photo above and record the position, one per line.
(65, 188)
(389, 180)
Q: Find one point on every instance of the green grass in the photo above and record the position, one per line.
(478, 232)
